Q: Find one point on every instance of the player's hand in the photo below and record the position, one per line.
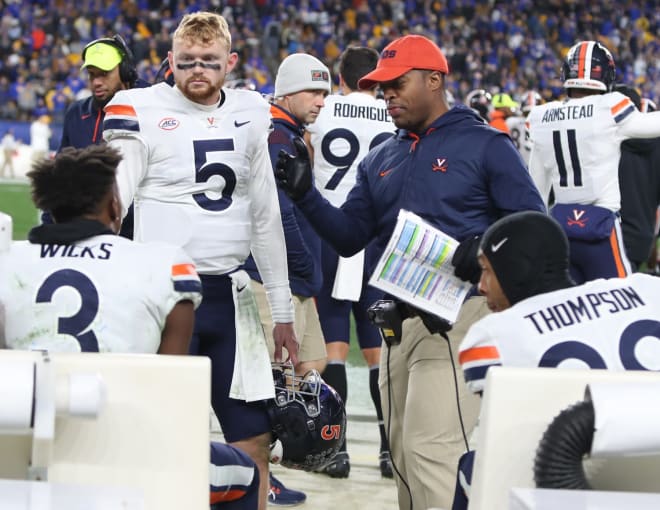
(466, 265)
(293, 173)
(285, 336)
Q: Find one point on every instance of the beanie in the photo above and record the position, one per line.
(529, 254)
(300, 72)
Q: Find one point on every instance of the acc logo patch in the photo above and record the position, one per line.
(168, 123)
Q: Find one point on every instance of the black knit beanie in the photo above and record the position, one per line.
(529, 254)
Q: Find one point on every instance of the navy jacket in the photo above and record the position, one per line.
(303, 245)
(460, 175)
(83, 125)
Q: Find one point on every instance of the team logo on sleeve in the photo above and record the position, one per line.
(168, 123)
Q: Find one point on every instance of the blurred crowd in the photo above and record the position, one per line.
(502, 46)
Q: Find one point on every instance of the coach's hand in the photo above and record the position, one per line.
(293, 173)
(466, 265)
(285, 336)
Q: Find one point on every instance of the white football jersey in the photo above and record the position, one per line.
(612, 324)
(201, 178)
(105, 293)
(576, 148)
(345, 130)
(520, 135)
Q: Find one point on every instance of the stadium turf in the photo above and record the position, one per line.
(15, 200)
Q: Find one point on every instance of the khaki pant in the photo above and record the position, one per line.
(425, 435)
(306, 325)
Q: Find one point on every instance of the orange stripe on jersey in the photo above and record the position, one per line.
(616, 253)
(120, 109)
(478, 353)
(582, 60)
(230, 495)
(183, 269)
(620, 106)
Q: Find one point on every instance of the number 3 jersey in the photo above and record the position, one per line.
(104, 293)
(612, 324)
(346, 129)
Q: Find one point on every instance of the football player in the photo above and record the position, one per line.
(77, 286)
(349, 126)
(576, 150)
(545, 319)
(196, 163)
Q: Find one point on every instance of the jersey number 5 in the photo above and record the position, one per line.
(204, 171)
(76, 324)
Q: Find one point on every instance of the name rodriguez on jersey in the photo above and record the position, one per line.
(361, 112)
(567, 113)
(588, 307)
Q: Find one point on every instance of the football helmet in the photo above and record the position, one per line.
(307, 417)
(588, 65)
(529, 100)
(479, 100)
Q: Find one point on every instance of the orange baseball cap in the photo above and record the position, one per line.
(402, 55)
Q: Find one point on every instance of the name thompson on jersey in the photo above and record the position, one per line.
(586, 307)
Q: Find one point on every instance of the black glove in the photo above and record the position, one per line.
(434, 323)
(466, 266)
(293, 173)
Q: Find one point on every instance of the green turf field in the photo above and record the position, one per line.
(15, 200)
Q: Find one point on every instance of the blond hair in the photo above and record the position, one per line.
(203, 27)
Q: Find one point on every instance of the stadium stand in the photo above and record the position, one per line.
(501, 46)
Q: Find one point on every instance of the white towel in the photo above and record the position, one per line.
(253, 377)
(348, 280)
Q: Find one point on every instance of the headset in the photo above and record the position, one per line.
(127, 71)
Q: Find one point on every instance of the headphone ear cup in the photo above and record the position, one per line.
(127, 71)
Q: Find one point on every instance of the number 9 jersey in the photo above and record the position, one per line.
(101, 294)
(346, 129)
(610, 324)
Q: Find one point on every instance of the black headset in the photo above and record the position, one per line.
(127, 71)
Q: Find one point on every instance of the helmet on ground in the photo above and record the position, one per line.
(588, 65)
(479, 100)
(529, 100)
(308, 418)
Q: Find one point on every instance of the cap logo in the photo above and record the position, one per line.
(318, 75)
(388, 54)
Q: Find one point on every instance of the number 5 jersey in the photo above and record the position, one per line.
(607, 323)
(201, 178)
